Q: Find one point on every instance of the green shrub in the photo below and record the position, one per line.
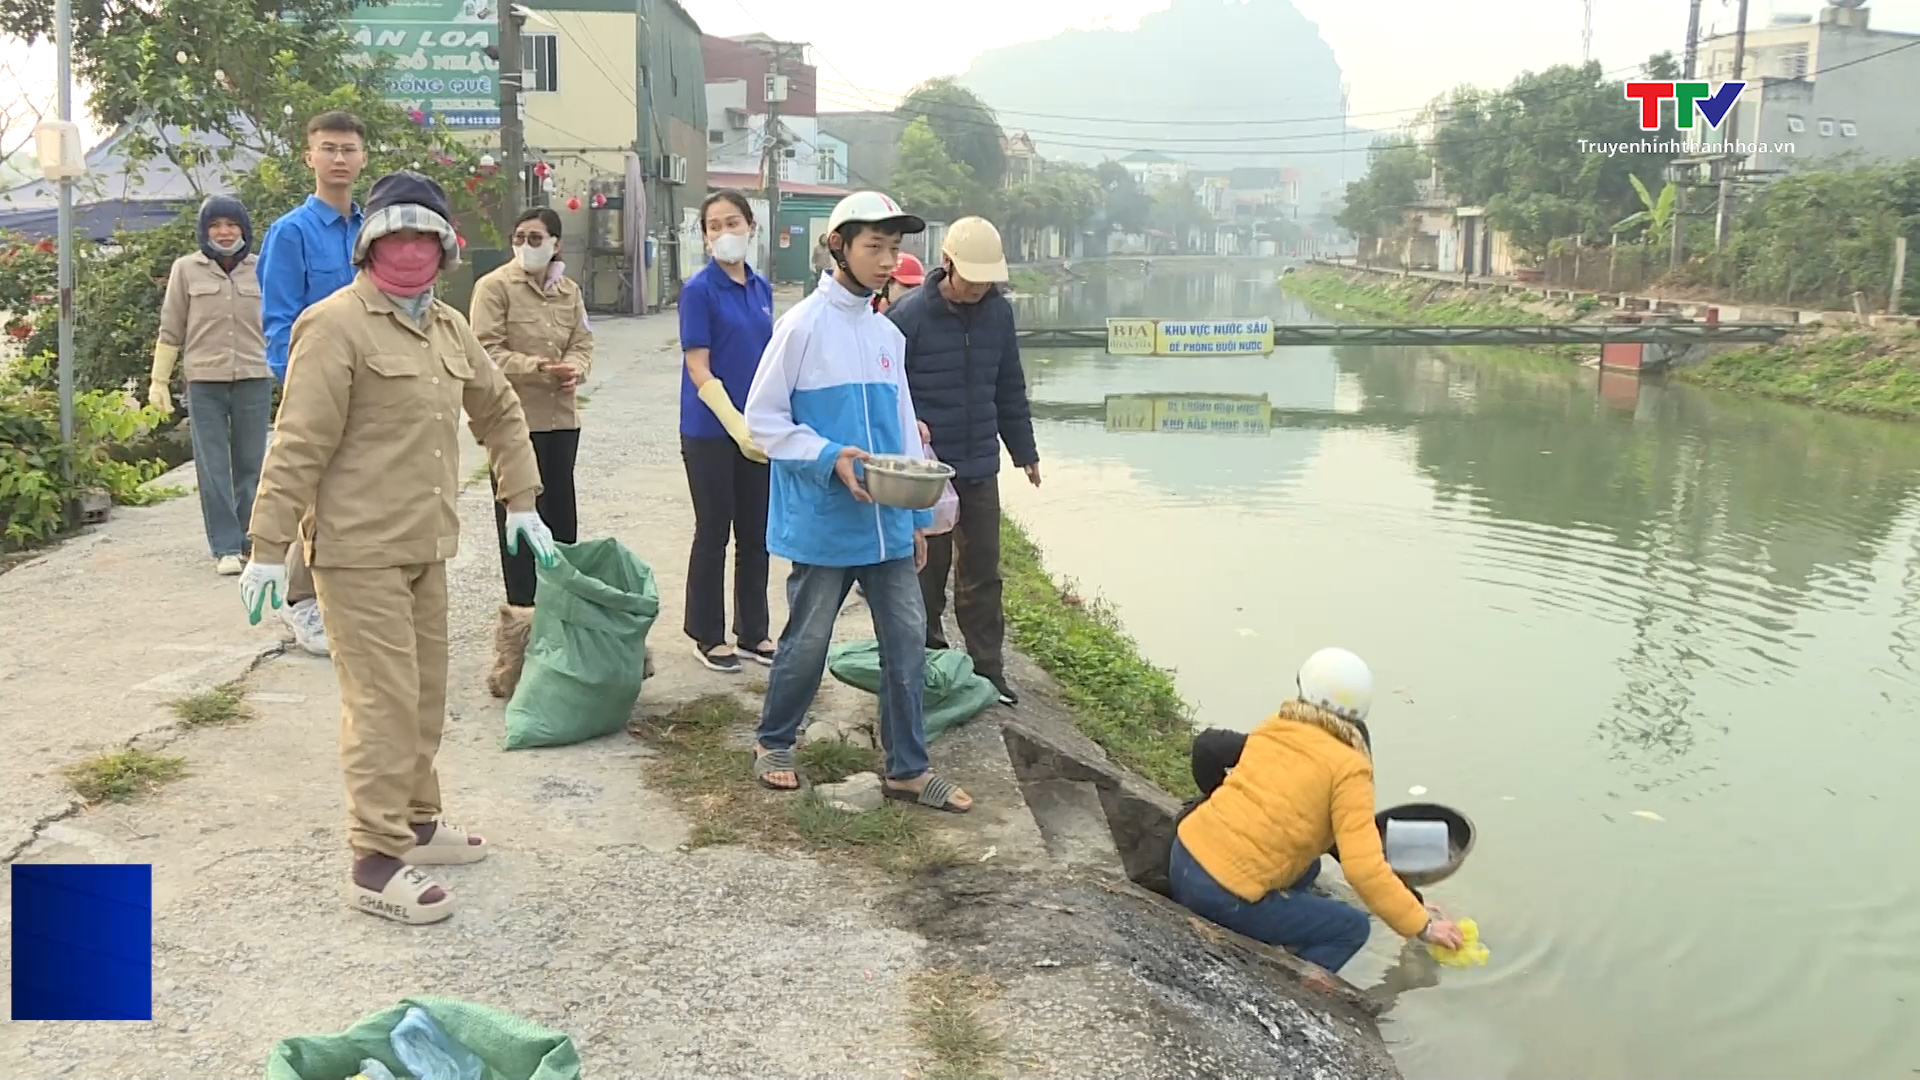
(34, 492)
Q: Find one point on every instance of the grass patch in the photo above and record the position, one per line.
(151, 495)
(1411, 300)
(123, 775)
(1025, 279)
(832, 762)
(1860, 371)
(1121, 701)
(699, 764)
(217, 707)
(946, 1010)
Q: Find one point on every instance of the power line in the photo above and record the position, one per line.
(1068, 140)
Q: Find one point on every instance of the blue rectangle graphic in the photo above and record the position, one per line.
(82, 942)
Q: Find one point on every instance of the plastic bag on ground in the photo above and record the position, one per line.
(954, 694)
(509, 1048)
(430, 1053)
(946, 512)
(586, 654)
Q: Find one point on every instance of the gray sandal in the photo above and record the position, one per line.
(768, 762)
(936, 795)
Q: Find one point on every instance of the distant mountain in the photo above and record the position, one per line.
(1256, 61)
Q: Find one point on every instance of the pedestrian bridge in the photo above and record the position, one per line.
(1165, 337)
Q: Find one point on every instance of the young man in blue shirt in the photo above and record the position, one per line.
(831, 392)
(308, 256)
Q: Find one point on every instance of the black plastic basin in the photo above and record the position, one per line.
(1459, 837)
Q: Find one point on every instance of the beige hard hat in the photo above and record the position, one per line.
(974, 246)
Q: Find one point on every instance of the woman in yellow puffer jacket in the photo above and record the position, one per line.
(1245, 857)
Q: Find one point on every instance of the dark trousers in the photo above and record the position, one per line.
(555, 451)
(971, 553)
(729, 496)
(1317, 929)
(229, 432)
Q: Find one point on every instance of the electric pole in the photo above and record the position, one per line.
(1693, 39)
(775, 93)
(643, 146)
(1723, 219)
(513, 132)
(63, 44)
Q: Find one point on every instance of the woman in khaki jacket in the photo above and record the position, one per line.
(211, 318)
(532, 320)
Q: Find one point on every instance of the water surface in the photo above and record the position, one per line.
(1659, 643)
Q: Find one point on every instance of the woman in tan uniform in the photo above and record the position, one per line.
(368, 438)
(531, 318)
(211, 319)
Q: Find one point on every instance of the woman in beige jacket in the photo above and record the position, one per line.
(211, 320)
(532, 319)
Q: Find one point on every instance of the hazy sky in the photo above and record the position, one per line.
(1397, 54)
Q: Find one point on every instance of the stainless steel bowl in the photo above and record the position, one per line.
(910, 483)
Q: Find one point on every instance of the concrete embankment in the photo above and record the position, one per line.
(777, 938)
(1838, 362)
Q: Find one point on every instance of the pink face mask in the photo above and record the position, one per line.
(405, 267)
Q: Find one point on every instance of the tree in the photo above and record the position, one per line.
(206, 81)
(17, 120)
(1656, 215)
(1127, 207)
(1518, 151)
(1176, 210)
(925, 179)
(1376, 203)
(966, 125)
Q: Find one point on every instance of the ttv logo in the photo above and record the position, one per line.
(1713, 104)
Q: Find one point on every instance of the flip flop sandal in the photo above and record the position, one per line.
(400, 900)
(936, 795)
(451, 845)
(777, 761)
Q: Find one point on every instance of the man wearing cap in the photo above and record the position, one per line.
(963, 365)
(368, 438)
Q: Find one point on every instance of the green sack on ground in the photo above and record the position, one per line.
(586, 653)
(954, 693)
(511, 1048)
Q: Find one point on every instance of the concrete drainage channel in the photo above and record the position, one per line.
(1091, 924)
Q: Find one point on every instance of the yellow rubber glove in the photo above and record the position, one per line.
(1471, 952)
(157, 395)
(715, 395)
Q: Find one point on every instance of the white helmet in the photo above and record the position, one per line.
(1337, 681)
(873, 208)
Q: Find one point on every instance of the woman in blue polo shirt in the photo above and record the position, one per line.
(726, 319)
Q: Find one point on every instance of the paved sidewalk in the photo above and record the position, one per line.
(659, 962)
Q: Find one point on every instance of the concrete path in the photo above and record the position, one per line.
(588, 917)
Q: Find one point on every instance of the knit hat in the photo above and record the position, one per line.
(230, 208)
(404, 199)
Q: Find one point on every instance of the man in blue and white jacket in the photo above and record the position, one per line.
(831, 390)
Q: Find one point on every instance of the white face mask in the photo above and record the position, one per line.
(731, 247)
(535, 258)
(228, 248)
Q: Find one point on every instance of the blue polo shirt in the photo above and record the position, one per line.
(733, 321)
(306, 257)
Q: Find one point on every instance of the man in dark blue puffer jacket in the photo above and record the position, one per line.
(963, 366)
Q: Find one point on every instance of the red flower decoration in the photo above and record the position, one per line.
(20, 331)
(541, 169)
(473, 184)
(416, 116)
(573, 203)
(599, 200)
(460, 240)
(44, 247)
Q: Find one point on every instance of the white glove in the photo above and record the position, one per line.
(527, 526)
(262, 585)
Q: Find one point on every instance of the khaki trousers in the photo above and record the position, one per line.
(388, 631)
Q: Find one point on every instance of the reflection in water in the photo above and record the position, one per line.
(1662, 644)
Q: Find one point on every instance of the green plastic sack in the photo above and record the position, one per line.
(511, 1048)
(586, 653)
(954, 693)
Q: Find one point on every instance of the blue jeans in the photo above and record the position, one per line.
(229, 426)
(814, 596)
(1317, 929)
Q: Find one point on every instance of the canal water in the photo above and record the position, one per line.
(1662, 645)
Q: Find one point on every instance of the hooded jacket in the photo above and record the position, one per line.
(963, 364)
(225, 206)
(831, 377)
(1303, 782)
